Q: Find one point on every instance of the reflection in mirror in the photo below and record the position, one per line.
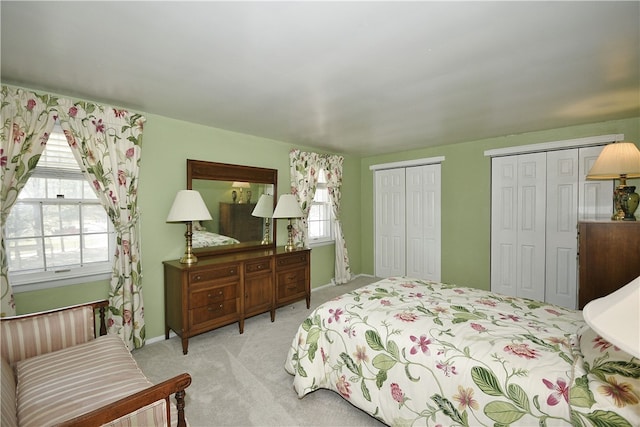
(231, 193)
(231, 210)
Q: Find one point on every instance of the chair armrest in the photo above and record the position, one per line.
(131, 403)
(30, 335)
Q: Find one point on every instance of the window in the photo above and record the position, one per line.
(58, 233)
(320, 222)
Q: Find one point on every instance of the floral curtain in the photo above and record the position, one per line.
(304, 181)
(27, 120)
(333, 169)
(107, 142)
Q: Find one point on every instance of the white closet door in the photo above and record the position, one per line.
(562, 221)
(595, 197)
(390, 223)
(518, 225)
(504, 215)
(423, 222)
(530, 251)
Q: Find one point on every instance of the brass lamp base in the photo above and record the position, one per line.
(266, 239)
(188, 257)
(289, 247)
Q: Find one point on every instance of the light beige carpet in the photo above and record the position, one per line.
(239, 380)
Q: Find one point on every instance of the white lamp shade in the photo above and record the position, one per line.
(616, 317)
(619, 158)
(239, 184)
(287, 207)
(188, 206)
(264, 207)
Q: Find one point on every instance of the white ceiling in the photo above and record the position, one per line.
(352, 77)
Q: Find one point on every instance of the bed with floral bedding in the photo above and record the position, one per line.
(414, 352)
(204, 239)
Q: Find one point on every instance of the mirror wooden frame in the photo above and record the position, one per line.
(200, 169)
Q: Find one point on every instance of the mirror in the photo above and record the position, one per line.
(230, 193)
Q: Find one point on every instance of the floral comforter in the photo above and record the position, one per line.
(204, 239)
(412, 352)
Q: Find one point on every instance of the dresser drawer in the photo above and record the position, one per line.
(292, 260)
(292, 282)
(213, 295)
(257, 266)
(213, 312)
(228, 271)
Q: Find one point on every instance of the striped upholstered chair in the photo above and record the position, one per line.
(56, 372)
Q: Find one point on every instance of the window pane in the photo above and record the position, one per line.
(25, 254)
(322, 195)
(94, 219)
(96, 248)
(69, 188)
(62, 251)
(35, 188)
(24, 221)
(61, 219)
(87, 191)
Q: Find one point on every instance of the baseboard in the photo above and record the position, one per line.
(333, 283)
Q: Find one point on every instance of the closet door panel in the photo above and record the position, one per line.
(423, 221)
(390, 242)
(561, 227)
(504, 208)
(530, 238)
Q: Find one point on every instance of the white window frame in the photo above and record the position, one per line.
(23, 281)
(330, 238)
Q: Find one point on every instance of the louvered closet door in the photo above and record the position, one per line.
(390, 223)
(518, 225)
(423, 222)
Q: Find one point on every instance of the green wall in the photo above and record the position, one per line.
(167, 143)
(466, 192)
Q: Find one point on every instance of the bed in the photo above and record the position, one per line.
(202, 238)
(414, 352)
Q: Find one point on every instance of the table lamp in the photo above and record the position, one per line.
(240, 185)
(264, 209)
(289, 208)
(188, 206)
(620, 160)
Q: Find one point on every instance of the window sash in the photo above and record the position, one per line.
(320, 219)
(58, 233)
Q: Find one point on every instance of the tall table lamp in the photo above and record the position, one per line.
(264, 209)
(188, 206)
(289, 208)
(620, 160)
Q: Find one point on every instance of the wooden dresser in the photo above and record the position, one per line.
(236, 221)
(608, 257)
(225, 289)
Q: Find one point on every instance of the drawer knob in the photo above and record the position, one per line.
(216, 308)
